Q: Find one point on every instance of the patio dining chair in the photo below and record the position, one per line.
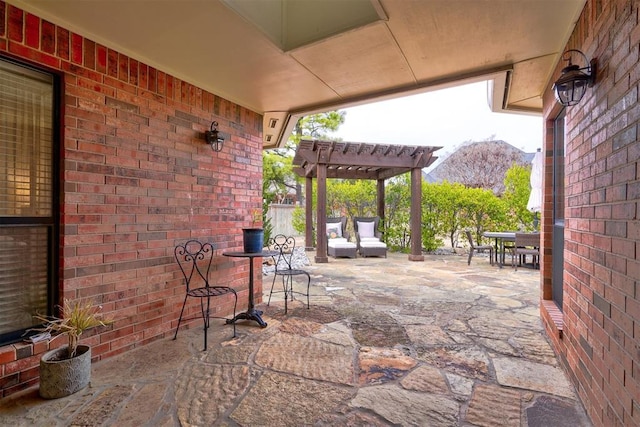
(286, 269)
(194, 259)
(478, 248)
(526, 244)
(368, 237)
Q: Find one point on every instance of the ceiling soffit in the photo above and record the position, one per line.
(289, 58)
(349, 160)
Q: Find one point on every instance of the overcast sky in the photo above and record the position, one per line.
(445, 118)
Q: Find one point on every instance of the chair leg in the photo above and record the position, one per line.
(491, 256)
(205, 318)
(180, 318)
(308, 285)
(271, 291)
(285, 283)
(235, 304)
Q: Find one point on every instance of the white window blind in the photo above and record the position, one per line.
(26, 196)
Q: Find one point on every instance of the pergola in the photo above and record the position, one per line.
(350, 160)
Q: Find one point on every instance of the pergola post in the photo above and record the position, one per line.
(321, 214)
(416, 214)
(308, 214)
(380, 199)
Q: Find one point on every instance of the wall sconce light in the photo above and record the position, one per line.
(573, 82)
(213, 139)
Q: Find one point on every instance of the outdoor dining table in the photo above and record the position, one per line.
(500, 238)
(251, 313)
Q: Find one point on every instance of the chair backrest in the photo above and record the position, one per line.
(285, 246)
(194, 258)
(342, 222)
(470, 238)
(374, 219)
(527, 240)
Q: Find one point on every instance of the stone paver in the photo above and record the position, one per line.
(386, 342)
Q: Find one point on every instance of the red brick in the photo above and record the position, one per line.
(16, 24)
(3, 17)
(32, 31)
(63, 43)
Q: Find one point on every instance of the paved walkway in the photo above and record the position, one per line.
(387, 342)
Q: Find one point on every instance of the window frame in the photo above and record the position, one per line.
(52, 222)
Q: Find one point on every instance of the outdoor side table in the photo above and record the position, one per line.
(251, 313)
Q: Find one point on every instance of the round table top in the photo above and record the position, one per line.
(241, 254)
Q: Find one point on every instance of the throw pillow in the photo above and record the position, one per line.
(334, 231)
(365, 229)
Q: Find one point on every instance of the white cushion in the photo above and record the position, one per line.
(334, 230)
(341, 242)
(365, 229)
(373, 244)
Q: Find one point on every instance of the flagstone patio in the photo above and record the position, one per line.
(386, 342)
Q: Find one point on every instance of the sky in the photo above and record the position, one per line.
(445, 118)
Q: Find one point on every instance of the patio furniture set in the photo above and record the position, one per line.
(368, 238)
(518, 244)
(194, 259)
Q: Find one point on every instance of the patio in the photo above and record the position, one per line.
(386, 342)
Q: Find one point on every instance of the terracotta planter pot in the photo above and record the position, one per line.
(60, 377)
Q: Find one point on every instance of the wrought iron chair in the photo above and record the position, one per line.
(477, 248)
(194, 259)
(526, 244)
(368, 237)
(285, 268)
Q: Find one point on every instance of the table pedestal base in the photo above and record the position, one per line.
(251, 314)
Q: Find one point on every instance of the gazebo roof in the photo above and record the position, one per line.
(353, 160)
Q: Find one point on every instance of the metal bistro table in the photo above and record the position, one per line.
(251, 313)
(500, 237)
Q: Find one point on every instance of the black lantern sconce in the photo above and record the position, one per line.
(574, 81)
(213, 139)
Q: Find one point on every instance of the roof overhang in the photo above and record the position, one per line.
(289, 58)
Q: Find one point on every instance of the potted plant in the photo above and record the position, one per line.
(253, 237)
(67, 369)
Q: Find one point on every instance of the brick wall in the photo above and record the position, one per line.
(600, 344)
(137, 178)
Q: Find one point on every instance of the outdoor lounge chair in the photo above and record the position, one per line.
(477, 248)
(368, 237)
(338, 244)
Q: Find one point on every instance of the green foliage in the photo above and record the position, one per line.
(482, 211)
(278, 178)
(397, 209)
(317, 126)
(516, 196)
(266, 222)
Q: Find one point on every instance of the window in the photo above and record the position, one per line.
(557, 249)
(28, 196)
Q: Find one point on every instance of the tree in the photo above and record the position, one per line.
(479, 165)
(278, 178)
(483, 211)
(516, 195)
(398, 213)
